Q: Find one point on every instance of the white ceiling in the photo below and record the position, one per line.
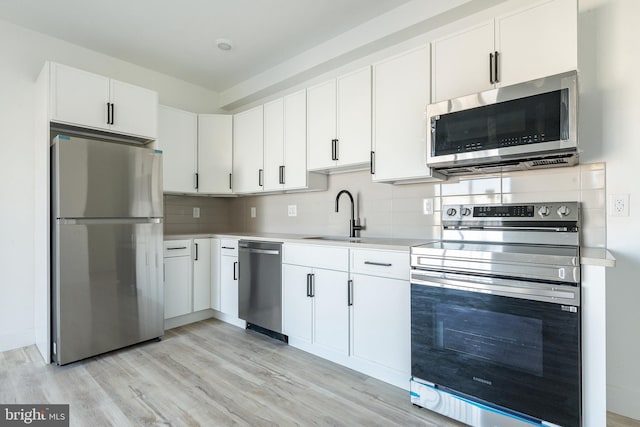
(177, 37)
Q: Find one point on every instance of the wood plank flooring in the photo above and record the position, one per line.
(209, 374)
(213, 374)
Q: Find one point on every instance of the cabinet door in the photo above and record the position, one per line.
(273, 144)
(460, 62)
(354, 117)
(201, 274)
(381, 321)
(215, 274)
(177, 286)
(296, 304)
(135, 110)
(331, 310)
(229, 285)
(215, 142)
(178, 140)
(538, 41)
(321, 125)
(401, 94)
(247, 151)
(79, 97)
(295, 140)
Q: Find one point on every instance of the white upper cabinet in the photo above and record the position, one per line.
(533, 42)
(89, 100)
(537, 41)
(400, 96)
(285, 145)
(248, 151)
(215, 138)
(339, 122)
(178, 139)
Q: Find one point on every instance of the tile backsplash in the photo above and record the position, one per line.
(394, 210)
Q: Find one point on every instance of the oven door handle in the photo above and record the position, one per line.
(537, 291)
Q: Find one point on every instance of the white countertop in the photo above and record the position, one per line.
(588, 256)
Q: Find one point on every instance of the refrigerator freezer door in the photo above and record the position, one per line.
(99, 179)
(108, 288)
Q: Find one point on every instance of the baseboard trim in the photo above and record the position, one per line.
(14, 340)
(623, 401)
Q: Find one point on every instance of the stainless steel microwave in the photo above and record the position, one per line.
(524, 126)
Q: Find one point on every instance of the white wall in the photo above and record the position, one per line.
(610, 127)
(22, 55)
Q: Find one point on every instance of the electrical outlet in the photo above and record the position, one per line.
(292, 210)
(427, 206)
(253, 212)
(619, 205)
(196, 212)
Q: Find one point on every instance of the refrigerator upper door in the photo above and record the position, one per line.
(101, 179)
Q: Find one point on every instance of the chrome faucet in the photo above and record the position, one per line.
(354, 224)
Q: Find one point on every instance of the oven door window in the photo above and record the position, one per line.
(518, 354)
(523, 121)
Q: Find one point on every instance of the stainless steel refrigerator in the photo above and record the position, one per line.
(107, 278)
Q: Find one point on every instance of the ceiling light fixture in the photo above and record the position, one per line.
(224, 44)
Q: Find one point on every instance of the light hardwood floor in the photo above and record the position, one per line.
(213, 374)
(209, 374)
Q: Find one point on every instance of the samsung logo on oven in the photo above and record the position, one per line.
(483, 381)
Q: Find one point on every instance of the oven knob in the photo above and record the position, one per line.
(465, 212)
(543, 211)
(451, 212)
(564, 210)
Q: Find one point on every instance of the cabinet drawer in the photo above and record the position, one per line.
(229, 247)
(177, 248)
(392, 264)
(329, 257)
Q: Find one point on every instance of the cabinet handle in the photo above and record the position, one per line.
(313, 285)
(380, 264)
(196, 258)
(349, 292)
(337, 149)
(308, 285)
(491, 68)
(373, 163)
(230, 187)
(227, 247)
(235, 275)
(281, 172)
(496, 68)
(260, 177)
(197, 180)
(333, 149)
(108, 113)
(113, 113)
(176, 248)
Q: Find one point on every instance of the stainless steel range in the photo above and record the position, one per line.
(495, 316)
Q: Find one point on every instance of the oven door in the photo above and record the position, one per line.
(519, 354)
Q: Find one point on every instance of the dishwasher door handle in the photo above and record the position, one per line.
(260, 251)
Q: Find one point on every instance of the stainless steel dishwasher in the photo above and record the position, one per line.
(260, 286)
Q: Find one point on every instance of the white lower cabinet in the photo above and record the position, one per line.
(202, 274)
(178, 269)
(229, 277)
(316, 308)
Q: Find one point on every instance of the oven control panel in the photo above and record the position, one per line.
(527, 212)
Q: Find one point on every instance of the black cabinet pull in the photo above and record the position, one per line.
(491, 68)
(260, 177)
(337, 150)
(350, 292)
(372, 160)
(230, 187)
(196, 258)
(496, 67)
(176, 248)
(108, 113)
(197, 180)
(113, 113)
(281, 175)
(313, 285)
(308, 285)
(379, 264)
(235, 275)
(333, 149)
(227, 247)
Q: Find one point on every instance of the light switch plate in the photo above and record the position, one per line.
(292, 210)
(196, 212)
(253, 212)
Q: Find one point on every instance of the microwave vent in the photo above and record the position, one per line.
(554, 162)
